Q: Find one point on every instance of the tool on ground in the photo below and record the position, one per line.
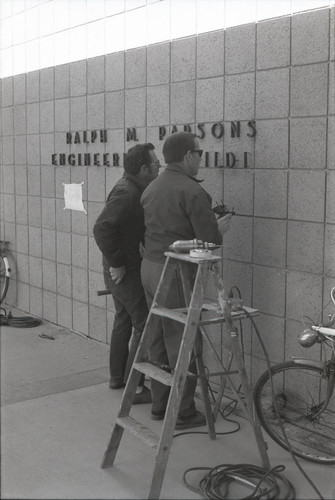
(190, 317)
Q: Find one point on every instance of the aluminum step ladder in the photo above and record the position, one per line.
(190, 317)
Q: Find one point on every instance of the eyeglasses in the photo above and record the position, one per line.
(155, 164)
(200, 151)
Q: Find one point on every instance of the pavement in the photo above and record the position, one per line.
(57, 412)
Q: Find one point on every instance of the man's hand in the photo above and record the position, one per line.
(224, 223)
(117, 273)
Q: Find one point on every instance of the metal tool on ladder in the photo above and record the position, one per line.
(190, 317)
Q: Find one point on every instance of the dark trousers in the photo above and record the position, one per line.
(131, 312)
(166, 338)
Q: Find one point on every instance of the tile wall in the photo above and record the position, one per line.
(280, 250)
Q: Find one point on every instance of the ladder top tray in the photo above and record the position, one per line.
(187, 258)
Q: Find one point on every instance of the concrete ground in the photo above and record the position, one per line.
(56, 418)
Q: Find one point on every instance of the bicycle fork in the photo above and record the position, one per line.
(328, 368)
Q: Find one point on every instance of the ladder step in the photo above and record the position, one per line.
(176, 314)
(154, 372)
(181, 314)
(235, 315)
(139, 430)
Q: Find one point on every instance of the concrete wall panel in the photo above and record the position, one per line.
(33, 86)
(272, 93)
(183, 59)
(62, 81)
(183, 102)
(275, 77)
(209, 97)
(273, 43)
(269, 242)
(78, 78)
(210, 54)
(271, 193)
(240, 49)
(276, 133)
(308, 139)
(306, 196)
(96, 75)
(136, 68)
(309, 90)
(158, 64)
(20, 150)
(330, 198)
(158, 105)
(310, 37)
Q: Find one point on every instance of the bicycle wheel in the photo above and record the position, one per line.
(4, 279)
(299, 391)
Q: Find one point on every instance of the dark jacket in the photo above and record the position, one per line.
(176, 207)
(119, 229)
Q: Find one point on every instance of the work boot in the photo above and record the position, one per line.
(196, 420)
(157, 415)
(116, 383)
(142, 397)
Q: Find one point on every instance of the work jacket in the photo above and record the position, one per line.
(119, 229)
(176, 207)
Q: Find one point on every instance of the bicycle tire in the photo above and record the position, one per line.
(4, 278)
(299, 389)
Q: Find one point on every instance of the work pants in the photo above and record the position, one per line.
(166, 336)
(131, 312)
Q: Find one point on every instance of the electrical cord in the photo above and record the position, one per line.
(231, 296)
(232, 402)
(7, 319)
(238, 427)
(264, 484)
(221, 413)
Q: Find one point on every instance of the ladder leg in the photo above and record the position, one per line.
(161, 459)
(262, 446)
(112, 447)
(205, 395)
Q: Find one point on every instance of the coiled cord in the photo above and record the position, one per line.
(7, 319)
(264, 484)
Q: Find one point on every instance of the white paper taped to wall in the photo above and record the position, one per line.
(73, 196)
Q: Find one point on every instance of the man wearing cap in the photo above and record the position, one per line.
(175, 207)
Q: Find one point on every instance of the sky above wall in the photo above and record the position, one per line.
(36, 34)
